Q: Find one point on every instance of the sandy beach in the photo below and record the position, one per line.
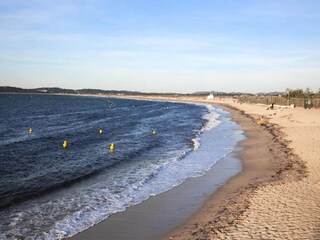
(290, 207)
(275, 196)
(283, 205)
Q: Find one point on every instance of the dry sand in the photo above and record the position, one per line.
(288, 209)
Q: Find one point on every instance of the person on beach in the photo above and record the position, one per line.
(271, 107)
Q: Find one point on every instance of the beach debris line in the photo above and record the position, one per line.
(111, 147)
(65, 144)
(30, 130)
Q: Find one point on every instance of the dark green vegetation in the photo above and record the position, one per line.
(300, 98)
(299, 93)
(55, 90)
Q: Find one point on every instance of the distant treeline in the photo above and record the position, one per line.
(290, 93)
(299, 93)
(300, 98)
(55, 90)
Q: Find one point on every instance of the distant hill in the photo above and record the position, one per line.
(55, 90)
(16, 90)
(236, 93)
(221, 93)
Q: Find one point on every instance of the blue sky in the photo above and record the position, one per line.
(161, 45)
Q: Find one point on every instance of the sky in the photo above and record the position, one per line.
(181, 46)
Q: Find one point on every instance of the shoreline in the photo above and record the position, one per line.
(226, 206)
(225, 214)
(233, 212)
(154, 217)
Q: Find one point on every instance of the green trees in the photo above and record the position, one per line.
(299, 93)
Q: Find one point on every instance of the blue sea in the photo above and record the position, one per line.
(49, 192)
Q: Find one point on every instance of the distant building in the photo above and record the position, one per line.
(210, 96)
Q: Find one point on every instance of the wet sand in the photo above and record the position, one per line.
(154, 217)
(276, 196)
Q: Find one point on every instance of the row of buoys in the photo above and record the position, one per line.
(111, 147)
(65, 145)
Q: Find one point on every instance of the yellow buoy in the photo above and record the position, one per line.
(30, 130)
(154, 132)
(100, 131)
(261, 121)
(111, 147)
(65, 144)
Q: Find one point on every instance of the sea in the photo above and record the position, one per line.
(51, 192)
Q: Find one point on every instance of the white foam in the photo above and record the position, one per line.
(196, 143)
(212, 118)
